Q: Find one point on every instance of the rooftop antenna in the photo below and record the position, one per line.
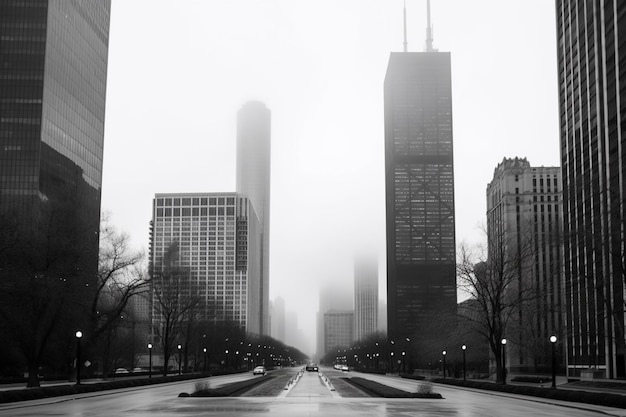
(405, 42)
(429, 29)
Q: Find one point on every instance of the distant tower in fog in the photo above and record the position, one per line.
(419, 179)
(365, 297)
(278, 319)
(253, 181)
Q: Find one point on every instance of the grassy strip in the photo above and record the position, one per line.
(413, 376)
(229, 390)
(597, 398)
(26, 394)
(376, 389)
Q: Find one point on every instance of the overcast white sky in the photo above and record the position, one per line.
(179, 71)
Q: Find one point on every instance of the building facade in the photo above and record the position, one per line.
(53, 60)
(524, 219)
(278, 319)
(591, 48)
(215, 240)
(253, 182)
(365, 298)
(419, 180)
(52, 103)
(338, 330)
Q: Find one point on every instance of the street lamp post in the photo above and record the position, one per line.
(503, 341)
(150, 360)
(553, 342)
(179, 360)
(464, 348)
(79, 335)
(444, 363)
(204, 350)
(226, 362)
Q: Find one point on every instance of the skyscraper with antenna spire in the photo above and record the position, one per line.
(421, 278)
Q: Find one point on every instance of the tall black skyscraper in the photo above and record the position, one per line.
(591, 36)
(253, 181)
(53, 70)
(421, 283)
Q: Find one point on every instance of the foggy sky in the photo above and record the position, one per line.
(179, 71)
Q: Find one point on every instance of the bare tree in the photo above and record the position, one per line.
(174, 298)
(121, 276)
(45, 275)
(493, 278)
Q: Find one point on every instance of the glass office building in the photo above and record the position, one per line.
(52, 105)
(421, 264)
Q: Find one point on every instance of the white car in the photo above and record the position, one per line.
(259, 370)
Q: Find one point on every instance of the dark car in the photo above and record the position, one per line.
(312, 367)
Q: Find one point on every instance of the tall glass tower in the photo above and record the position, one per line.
(52, 104)
(591, 49)
(421, 265)
(53, 60)
(253, 181)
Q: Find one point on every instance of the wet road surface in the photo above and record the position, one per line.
(309, 397)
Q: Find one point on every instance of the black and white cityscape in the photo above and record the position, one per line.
(447, 231)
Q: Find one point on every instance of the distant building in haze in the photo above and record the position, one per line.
(338, 330)
(253, 182)
(382, 316)
(591, 51)
(278, 319)
(419, 179)
(365, 297)
(330, 299)
(215, 239)
(524, 219)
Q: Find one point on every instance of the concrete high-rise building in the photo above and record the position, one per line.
(253, 182)
(216, 238)
(365, 297)
(338, 330)
(524, 220)
(419, 180)
(591, 49)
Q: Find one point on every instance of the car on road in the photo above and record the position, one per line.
(312, 367)
(259, 370)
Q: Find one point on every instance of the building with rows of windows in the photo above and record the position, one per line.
(215, 240)
(419, 182)
(591, 49)
(524, 223)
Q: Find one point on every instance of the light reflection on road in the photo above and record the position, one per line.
(163, 400)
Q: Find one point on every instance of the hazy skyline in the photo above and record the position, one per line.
(179, 72)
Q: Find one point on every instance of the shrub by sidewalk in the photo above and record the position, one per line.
(229, 390)
(376, 389)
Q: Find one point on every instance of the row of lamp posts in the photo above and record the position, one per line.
(444, 353)
(79, 336)
(553, 340)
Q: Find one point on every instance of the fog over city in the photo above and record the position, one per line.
(178, 72)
